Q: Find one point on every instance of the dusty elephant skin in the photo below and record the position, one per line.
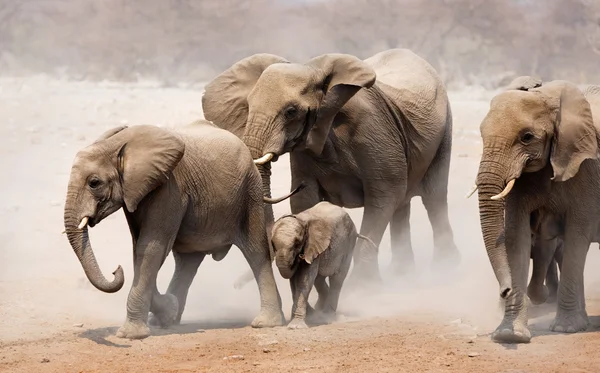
(310, 247)
(371, 134)
(540, 150)
(176, 197)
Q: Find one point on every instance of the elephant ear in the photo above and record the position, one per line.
(224, 101)
(342, 76)
(524, 83)
(318, 240)
(145, 160)
(575, 136)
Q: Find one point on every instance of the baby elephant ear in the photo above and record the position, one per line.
(319, 238)
(575, 136)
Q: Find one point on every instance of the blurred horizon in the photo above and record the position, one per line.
(469, 42)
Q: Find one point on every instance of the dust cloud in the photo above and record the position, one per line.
(59, 97)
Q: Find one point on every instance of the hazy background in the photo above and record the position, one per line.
(69, 70)
(469, 41)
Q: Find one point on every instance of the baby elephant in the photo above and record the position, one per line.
(310, 246)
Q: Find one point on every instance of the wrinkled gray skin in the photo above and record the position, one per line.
(371, 134)
(310, 247)
(193, 191)
(543, 140)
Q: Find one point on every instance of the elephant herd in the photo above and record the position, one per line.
(367, 133)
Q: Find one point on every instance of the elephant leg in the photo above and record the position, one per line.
(403, 259)
(542, 254)
(322, 290)
(445, 253)
(336, 282)
(434, 196)
(309, 310)
(149, 255)
(255, 249)
(304, 280)
(513, 328)
(571, 315)
(374, 222)
(186, 267)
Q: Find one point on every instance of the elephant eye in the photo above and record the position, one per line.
(291, 112)
(527, 137)
(94, 182)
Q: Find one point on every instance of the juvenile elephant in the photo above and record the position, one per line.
(193, 191)
(540, 150)
(361, 133)
(310, 247)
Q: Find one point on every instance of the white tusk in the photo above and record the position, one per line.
(264, 159)
(506, 190)
(83, 223)
(63, 232)
(473, 190)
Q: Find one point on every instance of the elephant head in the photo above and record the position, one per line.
(276, 106)
(295, 239)
(118, 170)
(528, 127)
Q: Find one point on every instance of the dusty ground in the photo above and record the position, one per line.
(52, 320)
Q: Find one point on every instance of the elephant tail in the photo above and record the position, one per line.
(273, 201)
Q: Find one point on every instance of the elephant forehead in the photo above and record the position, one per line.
(285, 231)
(285, 79)
(89, 160)
(514, 110)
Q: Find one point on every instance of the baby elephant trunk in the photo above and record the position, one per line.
(286, 263)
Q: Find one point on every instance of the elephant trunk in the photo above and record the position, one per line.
(286, 265)
(80, 242)
(490, 183)
(256, 142)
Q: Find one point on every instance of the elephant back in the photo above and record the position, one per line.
(412, 84)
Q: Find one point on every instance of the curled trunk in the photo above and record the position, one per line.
(80, 242)
(491, 215)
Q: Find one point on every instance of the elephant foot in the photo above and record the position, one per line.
(538, 294)
(268, 319)
(133, 330)
(297, 324)
(167, 314)
(570, 322)
(512, 332)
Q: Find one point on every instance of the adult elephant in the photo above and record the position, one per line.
(540, 150)
(361, 133)
(193, 191)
